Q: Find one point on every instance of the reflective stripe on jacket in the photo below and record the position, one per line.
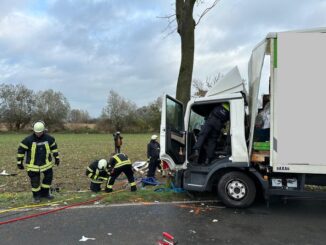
(96, 175)
(38, 152)
(119, 160)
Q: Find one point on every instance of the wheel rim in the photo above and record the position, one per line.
(236, 189)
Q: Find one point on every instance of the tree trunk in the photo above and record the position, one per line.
(186, 30)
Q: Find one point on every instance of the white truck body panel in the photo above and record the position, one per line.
(299, 118)
(297, 104)
(229, 84)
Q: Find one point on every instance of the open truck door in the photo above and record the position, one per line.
(172, 133)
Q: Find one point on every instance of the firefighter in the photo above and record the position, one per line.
(117, 141)
(98, 172)
(120, 163)
(39, 148)
(209, 134)
(153, 155)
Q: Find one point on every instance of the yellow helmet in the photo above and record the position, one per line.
(226, 106)
(39, 127)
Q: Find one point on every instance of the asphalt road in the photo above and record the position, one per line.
(297, 222)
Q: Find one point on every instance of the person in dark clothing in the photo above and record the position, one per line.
(117, 141)
(153, 154)
(38, 148)
(120, 163)
(209, 134)
(98, 172)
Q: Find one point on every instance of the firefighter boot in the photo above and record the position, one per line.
(133, 188)
(36, 197)
(45, 193)
(108, 190)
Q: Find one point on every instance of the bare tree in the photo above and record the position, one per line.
(186, 28)
(16, 105)
(120, 111)
(51, 107)
(150, 116)
(201, 88)
(79, 116)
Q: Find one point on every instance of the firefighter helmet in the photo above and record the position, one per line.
(102, 164)
(226, 106)
(39, 127)
(154, 137)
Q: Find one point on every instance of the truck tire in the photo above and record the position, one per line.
(236, 190)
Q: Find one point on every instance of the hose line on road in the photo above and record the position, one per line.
(57, 209)
(35, 205)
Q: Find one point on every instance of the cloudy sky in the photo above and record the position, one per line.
(85, 48)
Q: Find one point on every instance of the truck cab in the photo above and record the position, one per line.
(179, 130)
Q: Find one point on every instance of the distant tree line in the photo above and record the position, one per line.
(21, 106)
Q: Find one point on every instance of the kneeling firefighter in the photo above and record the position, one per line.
(39, 148)
(98, 172)
(120, 163)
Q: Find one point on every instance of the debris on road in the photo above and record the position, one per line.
(109, 234)
(84, 239)
(168, 239)
(37, 227)
(215, 220)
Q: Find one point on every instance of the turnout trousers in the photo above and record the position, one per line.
(153, 164)
(41, 188)
(127, 170)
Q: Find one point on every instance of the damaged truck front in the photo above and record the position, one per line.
(290, 158)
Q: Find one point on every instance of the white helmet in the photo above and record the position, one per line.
(102, 164)
(154, 137)
(39, 127)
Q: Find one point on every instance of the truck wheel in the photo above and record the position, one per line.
(236, 190)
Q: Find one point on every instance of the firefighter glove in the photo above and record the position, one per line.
(57, 161)
(20, 166)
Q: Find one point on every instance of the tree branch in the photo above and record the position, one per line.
(207, 10)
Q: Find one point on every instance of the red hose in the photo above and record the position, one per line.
(50, 211)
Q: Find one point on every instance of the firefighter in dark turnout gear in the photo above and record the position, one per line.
(97, 171)
(120, 163)
(153, 154)
(209, 134)
(38, 148)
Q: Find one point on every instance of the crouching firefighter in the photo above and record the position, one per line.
(39, 149)
(120, 163)
(98, 172)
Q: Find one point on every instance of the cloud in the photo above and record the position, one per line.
(85, 50)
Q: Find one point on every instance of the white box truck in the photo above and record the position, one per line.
(293, 155)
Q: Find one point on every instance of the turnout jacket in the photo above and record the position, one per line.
(95, 174)
(38, 152)
(153, 149)
(119, 160)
